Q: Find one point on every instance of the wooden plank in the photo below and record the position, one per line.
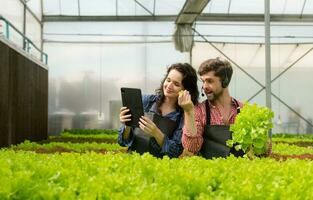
(4, 91)
(24, 101)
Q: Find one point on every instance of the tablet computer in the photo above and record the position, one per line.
(132, 99)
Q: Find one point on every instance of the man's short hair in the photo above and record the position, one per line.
(221, 69)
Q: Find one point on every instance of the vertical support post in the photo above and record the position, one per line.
(24, 26)
(145, 54)
(7, 29)
(41, 32)
(27, 45)
(116, 7)
(78, 5)
(267, 20)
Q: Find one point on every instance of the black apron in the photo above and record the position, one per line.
(215, 137)
(142, 141)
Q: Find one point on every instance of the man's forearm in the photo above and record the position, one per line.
(190, 122)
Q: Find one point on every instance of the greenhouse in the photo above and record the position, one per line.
(66, 64)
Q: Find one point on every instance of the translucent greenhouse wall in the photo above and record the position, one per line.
(109, 7)
(89, 84)
(85, 81)
(13, 10)
(89, 62)
(293, 87)
(87, 71)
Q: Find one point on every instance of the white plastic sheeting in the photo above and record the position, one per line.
(135, 54)
(90, 61)
(109, 31)
(110, 7)
(253, 32)
(183, 37)
(35, 7)
(257, 6)
(172, 7)
(84, 77)
(292, 87)
(33, 32)
(12, 11)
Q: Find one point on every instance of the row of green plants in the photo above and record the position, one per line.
(81, 136)
(67, 146)
(290, 149)
(27, 175)
(96, 136)
(292, 139)
(80, 172)
(277, 148)
(91, 131)
(295, 136)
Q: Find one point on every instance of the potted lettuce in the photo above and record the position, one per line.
(250, 130)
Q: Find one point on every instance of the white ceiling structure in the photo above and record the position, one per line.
(212, 22)
(291, 21)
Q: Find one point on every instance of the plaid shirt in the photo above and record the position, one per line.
(193, 143)
(172, 147)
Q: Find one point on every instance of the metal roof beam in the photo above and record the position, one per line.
(142, 6)
(229, 4)
(78, 7)
(30, 11)
(255, 17)
(71, 18)
(203, 17)
(303, 7)
(190, 11)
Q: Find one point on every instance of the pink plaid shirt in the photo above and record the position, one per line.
(194, 143)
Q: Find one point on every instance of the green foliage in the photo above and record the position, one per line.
(250, 130)
(290, 149)
(297, 136)
(291, 139)
(89, 135)
(27, 175)
(90, 131)
(80, 147)
(303, 139)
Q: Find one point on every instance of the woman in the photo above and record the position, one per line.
(161, 135)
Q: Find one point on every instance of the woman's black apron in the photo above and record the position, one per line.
(215, 137)
(142, 141)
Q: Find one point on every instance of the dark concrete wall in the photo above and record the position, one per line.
(24, 98)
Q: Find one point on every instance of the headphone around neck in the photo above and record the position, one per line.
(226, 81)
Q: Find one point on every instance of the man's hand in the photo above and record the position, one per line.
(186, 153)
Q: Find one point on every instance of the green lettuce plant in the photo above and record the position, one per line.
(250, 130)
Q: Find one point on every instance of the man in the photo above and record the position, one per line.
(206, 128)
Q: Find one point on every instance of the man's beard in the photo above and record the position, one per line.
(215, 95)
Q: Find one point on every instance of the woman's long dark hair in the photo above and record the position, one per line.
(189, 82)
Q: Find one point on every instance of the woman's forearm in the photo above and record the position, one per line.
(159, 137)
(126, 133)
